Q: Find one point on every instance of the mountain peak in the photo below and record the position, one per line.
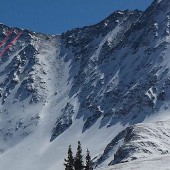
(103, 82)
(161, 4)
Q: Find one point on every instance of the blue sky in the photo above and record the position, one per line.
(57, 16)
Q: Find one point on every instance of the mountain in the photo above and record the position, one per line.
(107, 85)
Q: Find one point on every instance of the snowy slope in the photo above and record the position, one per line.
(137, 141)
(157, 163)
(107, 85)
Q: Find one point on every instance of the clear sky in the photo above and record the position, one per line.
(57, 16)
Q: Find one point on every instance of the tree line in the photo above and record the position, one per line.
(76, 162)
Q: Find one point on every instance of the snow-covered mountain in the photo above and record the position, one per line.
(107, 85)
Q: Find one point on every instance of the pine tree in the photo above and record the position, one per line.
(78, 161)
(89, 165)
(69, 162)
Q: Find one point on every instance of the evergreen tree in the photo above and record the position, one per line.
(69, 162)
(78, 161)
(89, 165)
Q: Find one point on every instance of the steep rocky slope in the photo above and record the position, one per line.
(93, 84)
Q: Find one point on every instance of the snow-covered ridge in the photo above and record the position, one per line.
(90, 84)
(138, 141)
